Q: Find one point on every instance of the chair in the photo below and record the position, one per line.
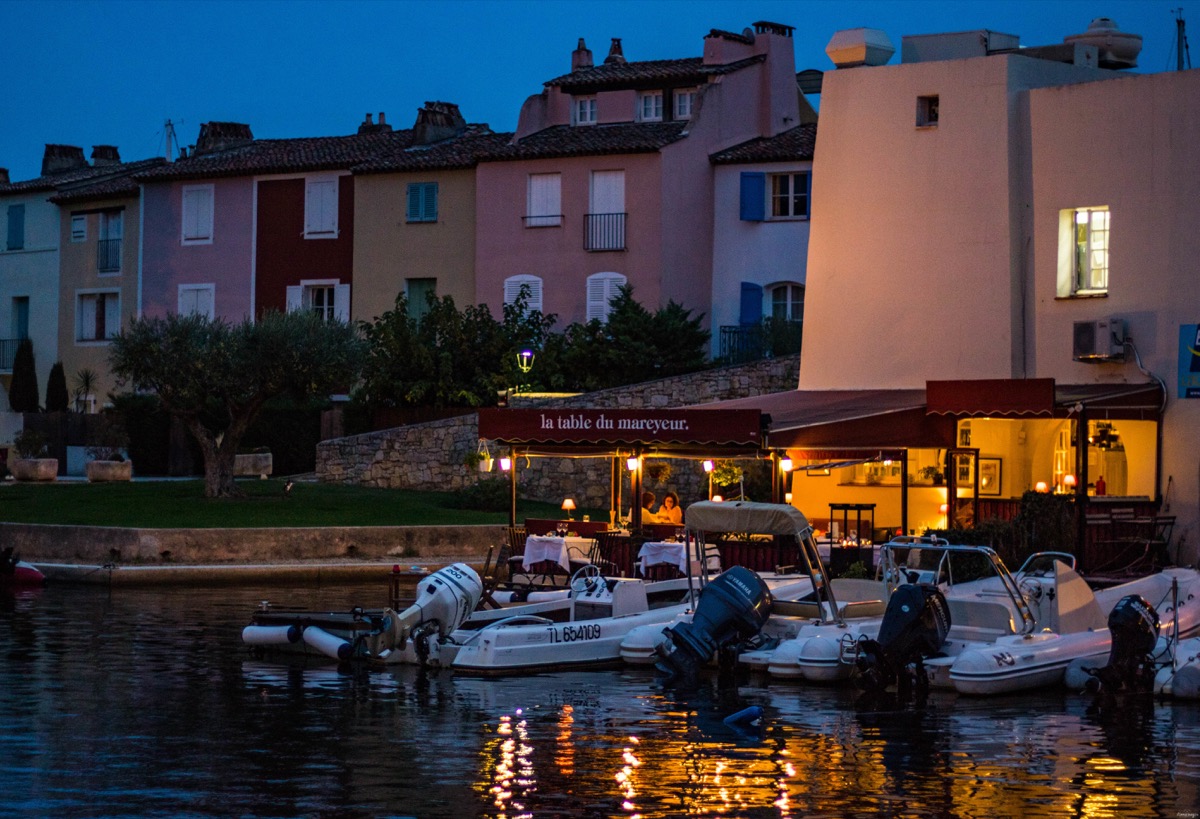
(491, 577)
(516, 554)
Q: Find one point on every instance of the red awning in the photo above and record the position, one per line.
(565, 427)
(991, 396)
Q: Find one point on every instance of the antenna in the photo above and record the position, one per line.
(1182, 55)
(170, 139)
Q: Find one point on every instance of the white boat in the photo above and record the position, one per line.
(1180, 677)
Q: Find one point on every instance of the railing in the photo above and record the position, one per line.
(543, 220)
(740, 344)
(108, 255)
(8, 351)
(604, 231)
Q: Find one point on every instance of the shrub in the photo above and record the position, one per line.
(30, 444)
(57, 397)
(23, 390)
(110, 438)
(485, 496)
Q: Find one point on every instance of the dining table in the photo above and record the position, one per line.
(554, 547)
(663, 551)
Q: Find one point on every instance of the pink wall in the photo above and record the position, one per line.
(166, 263)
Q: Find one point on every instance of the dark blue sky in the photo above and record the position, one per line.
(112, 72)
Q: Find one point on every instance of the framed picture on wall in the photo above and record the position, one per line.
(989, 476)
(963, 475)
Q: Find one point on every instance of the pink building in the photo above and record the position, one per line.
(608, 180)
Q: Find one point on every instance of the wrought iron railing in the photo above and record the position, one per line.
(108, 255)
(604, 231)
(543, 220)
(750, 342)
(8, 351)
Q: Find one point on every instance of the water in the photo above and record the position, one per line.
(143, 703)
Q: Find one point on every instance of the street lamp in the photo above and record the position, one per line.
(525, 360)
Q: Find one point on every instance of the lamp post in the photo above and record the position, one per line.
(708, 467)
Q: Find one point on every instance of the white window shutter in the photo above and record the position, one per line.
(341, 302)
(320, 207)
(112, 315)
(295, 298)
(512, 289)
(205, 302)
(186, 303)
(601, 288)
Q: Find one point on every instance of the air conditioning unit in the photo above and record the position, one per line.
(1099, 341)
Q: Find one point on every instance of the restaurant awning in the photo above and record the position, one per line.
(1032, 397)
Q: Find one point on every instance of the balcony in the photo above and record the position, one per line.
(8, 351)
(604, 231)
(771, 339)
(108, 255)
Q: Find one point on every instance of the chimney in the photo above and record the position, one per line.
(59, 158)
(369, 127)
(581, 57)
(437, 121)
(215, 136)
(4, 176)
(615, 55)
(103, 155)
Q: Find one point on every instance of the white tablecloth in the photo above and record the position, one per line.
(551, 547)
(663, 552)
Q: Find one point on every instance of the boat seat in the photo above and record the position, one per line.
(796, 608)
(863, 608)
(976, 619)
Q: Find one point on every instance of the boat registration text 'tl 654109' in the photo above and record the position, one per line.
(572, 634)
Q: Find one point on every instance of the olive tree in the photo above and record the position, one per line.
(215, 376)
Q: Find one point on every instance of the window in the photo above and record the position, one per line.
(78, 228)
(422, 201)
(197, 215)
(602, 288)
(512, 289)
(321, 208)
(789, 195)
(787, 302)
(417, 292)
(197, 299)
(20, 320)
(97, 315)
(927, 111)
(328, 298)
(650, 106)
(585, 111)
(16, 227)
(544, 202)
(685, 98)
(108, 248)
(605, 222)
(1083, 252)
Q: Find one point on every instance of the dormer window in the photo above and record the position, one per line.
(650, 106)
(684, 99)
(585, 111)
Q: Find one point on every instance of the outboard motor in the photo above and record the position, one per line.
(914, 627)
(1133, 625)
(444, 600)
(733, 607)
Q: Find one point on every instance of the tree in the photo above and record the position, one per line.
(215, 376)
(57, 397)
(23, 390)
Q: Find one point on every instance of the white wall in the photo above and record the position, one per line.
(32, 272)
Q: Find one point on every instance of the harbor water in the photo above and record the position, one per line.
(142, 702)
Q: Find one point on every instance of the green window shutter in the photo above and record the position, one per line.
(422, 202)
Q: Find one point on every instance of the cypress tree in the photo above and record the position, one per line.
(23, 391)
(57, 398)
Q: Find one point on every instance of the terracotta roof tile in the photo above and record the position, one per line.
(686, 71)
(54, 180)
(110, 187)
(461, 152)
(795, 143)
(589, 140)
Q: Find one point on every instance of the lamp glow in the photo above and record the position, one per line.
(525, 360)
(1069, 481)
(785, 464)
(708, 466)
(1041, 486)
(717, 498)
(568, 506)
(505, 464)
(632, 464)
(787, 497)
(944, 508)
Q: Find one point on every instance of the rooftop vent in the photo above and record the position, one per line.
(860, 46)
(105, 155)
(59, 158)
(217, 135)
(1117, 49)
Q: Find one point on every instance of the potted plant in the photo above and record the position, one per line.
(32, 463)
(932, 474)
(107, 454)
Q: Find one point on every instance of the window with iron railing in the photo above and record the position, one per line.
(108, 255)
(604, 231)
(8, 351)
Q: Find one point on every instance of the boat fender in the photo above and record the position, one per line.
(271, 635)
(746, 717)
(326, 643)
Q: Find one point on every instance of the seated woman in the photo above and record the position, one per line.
(670, 512)
(648, 514)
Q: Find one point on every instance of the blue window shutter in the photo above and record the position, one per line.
(429, 211)
(16, 227)
(754, 196)
(808, 199)
(414, 202)
(752, 303)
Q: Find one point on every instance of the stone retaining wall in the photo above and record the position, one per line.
(104, 544)
(432, 456)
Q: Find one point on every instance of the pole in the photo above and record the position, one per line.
(512, 486)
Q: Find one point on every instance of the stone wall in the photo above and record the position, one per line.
(433, 456)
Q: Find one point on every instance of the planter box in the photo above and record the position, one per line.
(100, 471)
(255, 463)
(34, 469)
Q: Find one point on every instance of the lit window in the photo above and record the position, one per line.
(327, 298)
(1083, 252)
(650, 106)
(532, 284)
(197, 215)
(685, 98)
(97, 315)
(789, 195)
(927, 111)
(79, 228)
(585, 111)
(787, 302)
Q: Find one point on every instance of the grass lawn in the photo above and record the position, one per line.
(181, 504)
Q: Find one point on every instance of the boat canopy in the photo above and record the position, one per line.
(746, 516)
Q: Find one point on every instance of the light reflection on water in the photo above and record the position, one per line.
(143, 703)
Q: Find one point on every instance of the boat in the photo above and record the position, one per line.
(16, 573)
(996, 632)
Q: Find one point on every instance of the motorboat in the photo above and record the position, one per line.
(977, 629)
(16, 573)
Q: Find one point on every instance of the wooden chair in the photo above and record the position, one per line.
(491, 577)
(516, 555)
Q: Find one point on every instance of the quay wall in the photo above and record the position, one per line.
(433, 455)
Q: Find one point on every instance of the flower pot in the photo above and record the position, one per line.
(254, 463)
(34, 469)
(486, 465)
(102, 471)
